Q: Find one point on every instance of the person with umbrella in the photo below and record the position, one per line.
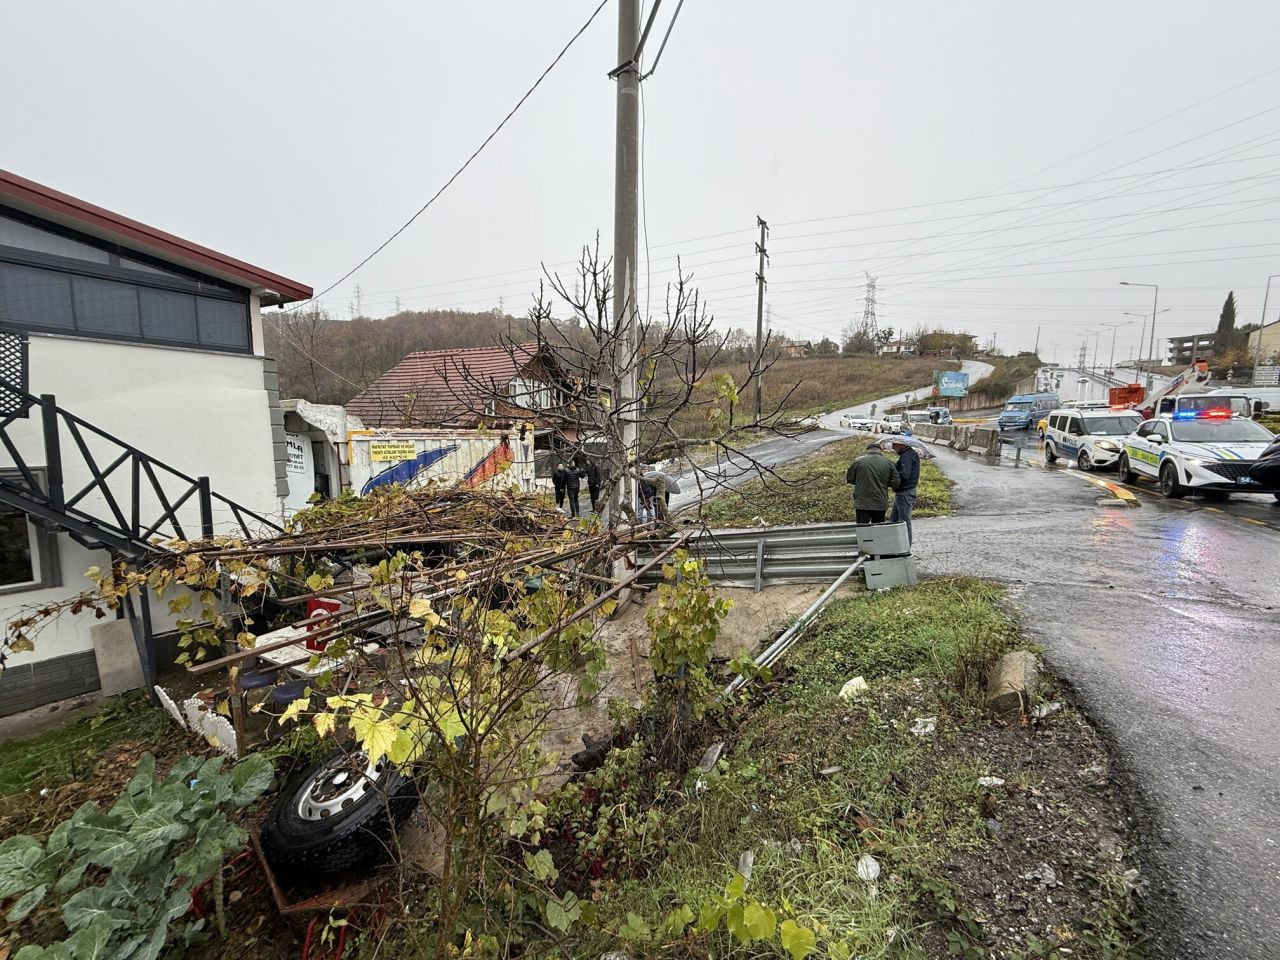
(872, 476)
(908, 468)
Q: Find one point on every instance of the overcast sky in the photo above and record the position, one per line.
(298, 135)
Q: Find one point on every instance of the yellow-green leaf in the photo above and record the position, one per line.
(324, 723)
(798, 941)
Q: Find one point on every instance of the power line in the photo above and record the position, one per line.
(457, 173)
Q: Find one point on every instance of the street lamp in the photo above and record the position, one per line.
(1111, 367)
(1155, 309)
(1257, 360)
(1142, 334)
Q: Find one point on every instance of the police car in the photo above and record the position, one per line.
(1208, 450)
(1092, 436)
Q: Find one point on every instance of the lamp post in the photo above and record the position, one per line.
(1155, 309)
(1262, 324)
(1143, 332)
(1115, 327)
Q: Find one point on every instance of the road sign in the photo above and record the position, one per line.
(1266, 376)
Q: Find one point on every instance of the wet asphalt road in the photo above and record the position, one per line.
(737, 470)
(1166, 619)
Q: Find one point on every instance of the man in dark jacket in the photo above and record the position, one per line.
(904, 499)
(871, 475)
(593, 484)
(558, 479)
(572, 486)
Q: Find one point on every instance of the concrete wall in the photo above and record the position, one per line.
(1270, 335)
(201, 412)
(983, 440)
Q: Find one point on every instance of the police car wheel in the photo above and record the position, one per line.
(1276, 495)
(1083, 461)
(1050, 455)
(1169, 484)
(1126, 472)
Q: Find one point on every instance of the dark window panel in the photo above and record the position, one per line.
(23, 236)
(34, 297)
(168, 316)
(106, 307)
(223, 323)
(17, 562)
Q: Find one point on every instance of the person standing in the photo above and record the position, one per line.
(558, 481)
(593, 484)
(871, 475)
(572, 487)
(904, 498)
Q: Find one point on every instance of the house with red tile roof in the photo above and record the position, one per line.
(462, 388)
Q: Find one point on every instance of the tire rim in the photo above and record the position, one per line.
(337, 785)
(1084, 461)
(1167, 481)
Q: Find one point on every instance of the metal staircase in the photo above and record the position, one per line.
(131, 502)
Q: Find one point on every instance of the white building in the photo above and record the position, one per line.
(151, 349)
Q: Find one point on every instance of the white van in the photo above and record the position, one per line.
(1092, 437)
(1269, 396)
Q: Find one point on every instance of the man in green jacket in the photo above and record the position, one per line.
(871, 475)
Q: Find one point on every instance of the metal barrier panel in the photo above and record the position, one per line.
(766, 556)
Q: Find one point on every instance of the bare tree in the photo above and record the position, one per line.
(687, 413)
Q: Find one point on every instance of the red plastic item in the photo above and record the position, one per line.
(316, 606)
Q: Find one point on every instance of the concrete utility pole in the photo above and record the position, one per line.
(626, 237)
(1036, 349)
(763, 255)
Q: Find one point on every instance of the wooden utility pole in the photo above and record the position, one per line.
(763, 255)
(626, 189)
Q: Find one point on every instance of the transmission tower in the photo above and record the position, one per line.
(867, 330)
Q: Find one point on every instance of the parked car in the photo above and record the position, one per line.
(1209, 451)
(1093, 438)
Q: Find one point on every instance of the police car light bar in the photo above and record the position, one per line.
(1216, 414)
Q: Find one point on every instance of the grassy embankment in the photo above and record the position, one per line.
(815, 385)
(813, 490)
(812, 784)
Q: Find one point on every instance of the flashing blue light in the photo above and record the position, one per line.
(1185, 415)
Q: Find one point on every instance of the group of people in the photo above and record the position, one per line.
(873, 475)
(566, 480)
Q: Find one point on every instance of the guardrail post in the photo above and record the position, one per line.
(760, 564)
(52, 449)
(205, 495)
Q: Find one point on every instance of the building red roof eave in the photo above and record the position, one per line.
(35, 198)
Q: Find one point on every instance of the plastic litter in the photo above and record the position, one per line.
(855, 688)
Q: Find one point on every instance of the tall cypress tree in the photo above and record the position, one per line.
(1227, 320)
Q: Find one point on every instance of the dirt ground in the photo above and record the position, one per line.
(755, 619)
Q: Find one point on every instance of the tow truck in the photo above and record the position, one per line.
(1188, 393)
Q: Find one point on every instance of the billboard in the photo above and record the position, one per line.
(950, 383)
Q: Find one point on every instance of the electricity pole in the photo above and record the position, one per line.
(626, 188)
(763, 255)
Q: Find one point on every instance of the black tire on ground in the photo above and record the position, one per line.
(1084, 462)
(1169, 484)
(336, 816)
(1276, 495)
(1126, 472)
(1050, 455)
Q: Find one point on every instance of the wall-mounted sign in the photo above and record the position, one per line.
(392, 451)
(296, 449)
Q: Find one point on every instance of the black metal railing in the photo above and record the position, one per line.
(117, 507)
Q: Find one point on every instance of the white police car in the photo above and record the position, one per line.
(1210, 451)
(1092, 436)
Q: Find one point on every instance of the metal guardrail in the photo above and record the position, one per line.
(765, 556)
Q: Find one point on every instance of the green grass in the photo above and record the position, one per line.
(894, 796)
(72, 750)
(815, 491)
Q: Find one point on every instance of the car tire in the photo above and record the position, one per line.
(1083, 461)
(1126, 472)
(1050, 455)
(1276, 495)
(335, 817)
(1169, 483)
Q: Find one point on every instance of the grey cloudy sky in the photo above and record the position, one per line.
(298, 134)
